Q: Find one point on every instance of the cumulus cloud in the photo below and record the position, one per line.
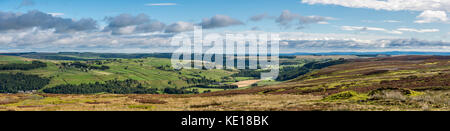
(219, 21)
(396, 31)
(25, 3)
(430, 16)
(18, 21)
(259, 17)
(418, 30)
(373, 45)
(401, 43)
(286, 18)
(47, 40)
(56, 14)
(432, 10)
(255, 28)
(127, 24)
(314, 19)
(390, 5)
(179, 27)
(38, 31)
(361, 28)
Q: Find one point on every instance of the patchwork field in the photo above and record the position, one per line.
(145, 70)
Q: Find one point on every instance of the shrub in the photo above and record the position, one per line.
(342, 95)
(150, 101)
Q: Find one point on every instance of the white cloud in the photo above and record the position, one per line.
(127, 29)
(396, 31)
(418, 30)
(160, 4)
(363, 46)
(360, 28)
(36, 18)
(218, 21)
(323, 23)
(391, 21)
(430, 16)
(259, 17)
(127, 24)
(286, 18)
(390, 5)
(56, 14)
(384, 21)
(25, 3)
(433, 10)
(179, 27)
(48, 40)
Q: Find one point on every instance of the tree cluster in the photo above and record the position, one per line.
(179, 91)
(20, 66)
(112, 86)
(217, 86)
(84, 66)
(14, 83)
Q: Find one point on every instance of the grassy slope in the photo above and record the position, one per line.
(12, 59)
(351, 76)
(145, 72)
(340, 87)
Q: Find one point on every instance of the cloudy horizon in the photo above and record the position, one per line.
(143, 26)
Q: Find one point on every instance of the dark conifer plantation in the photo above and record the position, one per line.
(17, 66)
(113, 86)
(13, 83)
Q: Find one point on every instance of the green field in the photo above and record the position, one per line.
(151, 70)
(144, 70)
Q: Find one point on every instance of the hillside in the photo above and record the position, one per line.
(152, 72)
(387, 83)
(146, 70)
(361, 75)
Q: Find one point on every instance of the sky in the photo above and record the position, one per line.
(145, 26)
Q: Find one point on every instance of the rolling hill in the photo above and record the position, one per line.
(152, 72)
(381, 83)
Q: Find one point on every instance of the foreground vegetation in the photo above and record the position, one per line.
(389, 101)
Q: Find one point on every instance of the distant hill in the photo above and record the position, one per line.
(363, 76)
(373, 53)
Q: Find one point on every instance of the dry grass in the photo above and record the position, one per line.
(159, 103)
(430, 100)
(8, 100)
(245, 83)
(390, 95)
(284, 102)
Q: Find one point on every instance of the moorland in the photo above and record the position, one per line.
(147, 82)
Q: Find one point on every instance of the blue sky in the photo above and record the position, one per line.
(369, 21)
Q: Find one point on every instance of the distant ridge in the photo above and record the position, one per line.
(168, 55)
(372, 53)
